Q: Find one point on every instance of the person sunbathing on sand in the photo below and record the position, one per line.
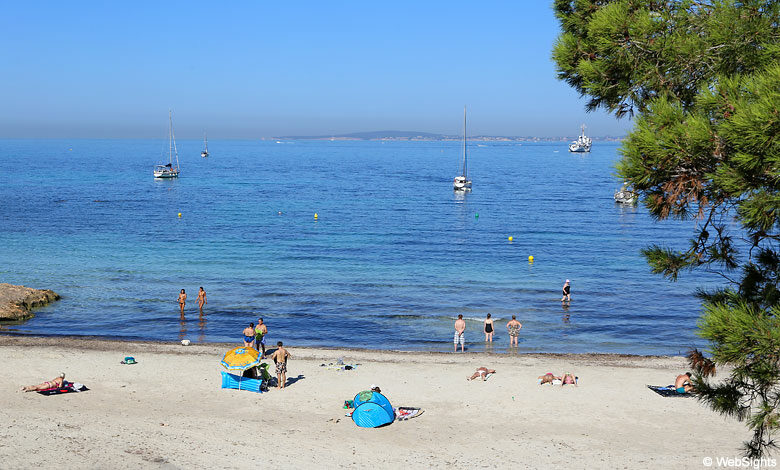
(683, 383)
(481, 372)
(53, 383)
(569, 379)
(548, 378)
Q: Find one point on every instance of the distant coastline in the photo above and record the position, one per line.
(428, 137)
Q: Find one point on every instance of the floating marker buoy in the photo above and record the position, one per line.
(179, 214)
(476, 216)
(315, 215)
(510, 239)
(530, 259)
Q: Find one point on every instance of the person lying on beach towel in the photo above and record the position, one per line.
(49, 384)
(483, 372)
(569, 379)
(66, 387)
(682, 383)
(549, 378)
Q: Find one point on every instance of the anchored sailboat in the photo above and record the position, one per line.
(462, 183)
(168, 170)
(205, 152)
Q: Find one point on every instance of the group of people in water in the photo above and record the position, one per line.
(183, 300)
(512, 326)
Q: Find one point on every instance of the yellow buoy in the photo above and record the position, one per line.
(510, 239)
(315, 215)
(179, 214)
(530, 259)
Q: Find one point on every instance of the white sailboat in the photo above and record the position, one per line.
(625, 195)
(582, 144)
(205, 152)
(462, 182)
(168, 170)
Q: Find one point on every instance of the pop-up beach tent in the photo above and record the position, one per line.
(372, 410)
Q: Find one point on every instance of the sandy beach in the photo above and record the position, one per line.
(168, 411)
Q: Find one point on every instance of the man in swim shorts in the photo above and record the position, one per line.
(460, 337)
(683, 383)
(280, 357)
(260, 331)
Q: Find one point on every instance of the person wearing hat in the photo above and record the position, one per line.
(566, 292)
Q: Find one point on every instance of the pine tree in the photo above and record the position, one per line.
(702, 80)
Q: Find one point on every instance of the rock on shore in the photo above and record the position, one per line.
(16, 302)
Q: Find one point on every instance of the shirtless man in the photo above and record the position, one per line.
(460, 337)
(249, 335)
(513, 327)
(201, 299)
(280, 358)
(260, 331)
(55, 382)
(683, 383)
(182, 301)
(481, 372)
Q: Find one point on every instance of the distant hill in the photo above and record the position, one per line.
(372, 135)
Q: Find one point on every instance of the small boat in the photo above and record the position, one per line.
(462, 182)
(168, 170)
(205, 152)
(625, 195)
(582, 144)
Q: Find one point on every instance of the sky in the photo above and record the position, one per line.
(248, 70)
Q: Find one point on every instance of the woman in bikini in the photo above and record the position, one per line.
(201, 299)
(568, 379)
(53, 383)
(488, 329)
(182, 301)
(481, 372)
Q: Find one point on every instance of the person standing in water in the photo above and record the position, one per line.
(260, 331)
(488, 329)
(513, 327)
(201, 299)
(182, 301)
(460, 337)
(566, 292)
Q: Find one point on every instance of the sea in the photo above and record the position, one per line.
(349, 244)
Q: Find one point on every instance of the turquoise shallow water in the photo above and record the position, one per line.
(394, 256)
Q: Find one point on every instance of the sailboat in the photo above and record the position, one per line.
(582, 144)
(462, 183)
(168, 170)
(205, 152)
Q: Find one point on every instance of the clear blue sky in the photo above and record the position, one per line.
(252, 69)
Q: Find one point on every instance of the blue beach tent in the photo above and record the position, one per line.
(372, 410)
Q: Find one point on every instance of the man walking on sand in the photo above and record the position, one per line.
(460, 337)
(280, 358)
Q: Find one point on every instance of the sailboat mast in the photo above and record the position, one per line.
(464, 141)
(173, 140)
(170, 138)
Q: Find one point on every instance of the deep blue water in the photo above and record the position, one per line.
(394, 256)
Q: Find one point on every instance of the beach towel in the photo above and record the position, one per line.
(668, 391)
(67, 387)
(402, 413)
